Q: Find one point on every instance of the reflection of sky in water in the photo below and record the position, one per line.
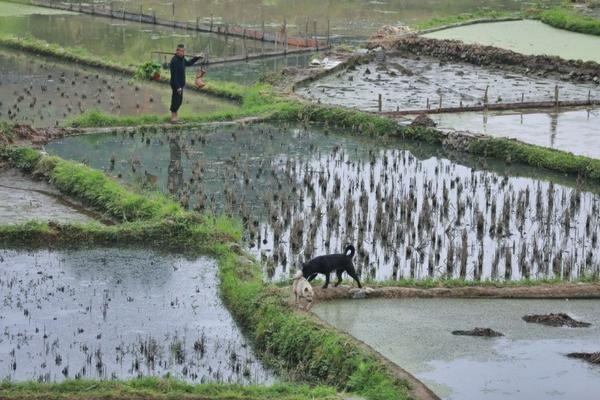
(109, 313)
(577, 131)
(304, 192)
(529, 362)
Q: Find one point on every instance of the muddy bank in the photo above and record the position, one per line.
(550, 291)
(559, 319)
(455, 50)
(593, 358)
(483, 332)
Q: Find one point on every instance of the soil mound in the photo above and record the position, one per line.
(457, 51)
(485, 332)
(593, 358)
(422, 120)
(559, 319)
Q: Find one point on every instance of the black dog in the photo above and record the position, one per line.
(329, 263)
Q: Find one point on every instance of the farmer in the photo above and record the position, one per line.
(178, 64)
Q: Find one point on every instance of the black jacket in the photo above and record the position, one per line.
(177, 67)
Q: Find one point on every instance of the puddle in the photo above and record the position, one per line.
(42, 92)
(527, 37)
(117, 314)
(577, 131)
(407, 84)
(529, 362)
(22, 200)
(302, 192)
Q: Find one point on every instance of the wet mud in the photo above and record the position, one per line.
(422, 82)
(559, 319)
(484, 332)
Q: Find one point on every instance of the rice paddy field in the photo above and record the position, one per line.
(147, 259)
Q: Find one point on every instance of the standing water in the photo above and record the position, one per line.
(117, 314)
(528, 362)
(305, 191)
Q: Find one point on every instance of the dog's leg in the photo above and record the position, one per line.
(313, 276)
(339, 273)
(350, 270)
(326, 281)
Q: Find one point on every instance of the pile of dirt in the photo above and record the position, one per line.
(423, 120)
(387, 35)
(455, 50)
(36, 136)
(593, 358)
(559, 319)
(485, 332)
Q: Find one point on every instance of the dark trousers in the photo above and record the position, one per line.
(176, 100)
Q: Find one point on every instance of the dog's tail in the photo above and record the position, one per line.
(350, 249)
(298, 275)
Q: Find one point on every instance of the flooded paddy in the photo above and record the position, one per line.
(22, 200)
(527, 37)
(8, 9)
(117, 314)
(413, 83)
(42, 92)
(528, 362)
(120, 41)
(577, 131)
(305, 191)
(347, 19)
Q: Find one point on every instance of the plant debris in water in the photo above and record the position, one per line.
(486, 332)
(593, 358)
(560, 319)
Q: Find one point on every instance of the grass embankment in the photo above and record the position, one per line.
(146, 219)
(566, 17)
(155, 388)
(296, 342)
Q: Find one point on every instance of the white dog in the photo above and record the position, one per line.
(302, 290)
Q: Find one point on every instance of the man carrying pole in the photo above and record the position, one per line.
(177, 66)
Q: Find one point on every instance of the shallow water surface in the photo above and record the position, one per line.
(574, 130)
(124, 42)
(354, 18)
(22, 200)
(305, 191)
(527, 37)
(42, 92)
(529, 362)
(117, 314)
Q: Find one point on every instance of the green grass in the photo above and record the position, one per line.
(565, 17)
(157, 388)
(297, 342)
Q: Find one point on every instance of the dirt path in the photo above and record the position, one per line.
(549, 291)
